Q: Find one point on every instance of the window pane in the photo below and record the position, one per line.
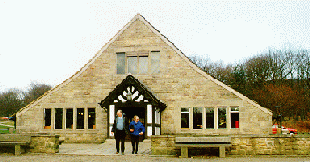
(184, 117)
(91, 118)
(234, 117)
(58, 118)
(143, 64)
(80, 118)
(47, 118)
(222, 117)
(197, 115)
(132, 65)
(209, 117)
(155, 62)
(185, 110)
(234, 108)
(69, 118)
(121, 63)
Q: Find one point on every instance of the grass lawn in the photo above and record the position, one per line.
(5, 129)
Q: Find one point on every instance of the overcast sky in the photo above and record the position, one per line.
(48, 41)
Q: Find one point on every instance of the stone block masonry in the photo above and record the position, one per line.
(44, 143)
(270, 145)
(244, 145)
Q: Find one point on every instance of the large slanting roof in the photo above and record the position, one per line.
(155, 31)
(130, 81)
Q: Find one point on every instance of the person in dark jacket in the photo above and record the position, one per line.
(136, 129)
(120, 129)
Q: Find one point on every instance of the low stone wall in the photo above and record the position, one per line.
(87, 137)
(163, 145)
(270, 145)
(244, 145)
(44, 143)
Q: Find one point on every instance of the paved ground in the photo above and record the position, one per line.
(106, 152)
(140, 158)
(107, 148)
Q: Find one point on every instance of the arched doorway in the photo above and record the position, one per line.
(133, 98)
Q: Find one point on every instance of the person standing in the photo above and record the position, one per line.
(136, 130)
(120, 129)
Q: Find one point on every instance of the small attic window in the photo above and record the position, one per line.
(121, 63)
(138, 62)
(155, 62)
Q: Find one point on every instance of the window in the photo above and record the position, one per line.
(69, 118)
(91, 118)
(184, 117)
(197, 118)
(222, 117)
(234, 116)
(47, 118)
(132, 65)
(80, 118)
(138, 62)
(58, 118)
(209, 117)
(143, 64)
(121, 63)
(155, 62)
(214, 118)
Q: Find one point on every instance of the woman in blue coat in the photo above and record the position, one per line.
(136, 129)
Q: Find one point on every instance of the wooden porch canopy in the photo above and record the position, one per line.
(131, 81)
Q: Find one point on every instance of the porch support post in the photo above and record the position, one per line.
(153, 120)
(111, 119)
(149, 120)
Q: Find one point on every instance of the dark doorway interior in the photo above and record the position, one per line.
(130, 112)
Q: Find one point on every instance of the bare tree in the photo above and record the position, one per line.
(34, 91)
(10, 102)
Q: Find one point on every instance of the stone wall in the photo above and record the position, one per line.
(270, 145)
(83, 137)
(244, 145)
(163, 145)
(44, 143)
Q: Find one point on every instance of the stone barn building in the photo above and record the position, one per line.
(141, 72)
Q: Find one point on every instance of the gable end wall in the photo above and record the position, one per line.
(179, 84)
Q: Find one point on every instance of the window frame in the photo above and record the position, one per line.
(45, 126)
(216, 117)
(194, 118)
(82, 121)
(189, 118)
(66, 119)
(88, 118)
(60, 117)
(205, 108)
(234, 112)
(152, 56)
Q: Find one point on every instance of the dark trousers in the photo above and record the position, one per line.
(120, 137)
(135, 143)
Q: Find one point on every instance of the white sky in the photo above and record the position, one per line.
(48, 41)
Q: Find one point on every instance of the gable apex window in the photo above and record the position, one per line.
(142, 62)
